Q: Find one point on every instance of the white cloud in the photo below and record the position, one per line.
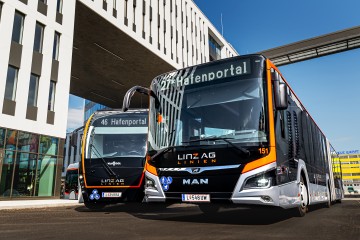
(75, 119)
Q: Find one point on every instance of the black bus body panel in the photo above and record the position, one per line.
(202, 175)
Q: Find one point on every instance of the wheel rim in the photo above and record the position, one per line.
(303, 195)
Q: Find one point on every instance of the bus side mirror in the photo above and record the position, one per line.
(142, 90)
(280, 92)
(130, 93)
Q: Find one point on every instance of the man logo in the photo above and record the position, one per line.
(195, 181)
(195, 170)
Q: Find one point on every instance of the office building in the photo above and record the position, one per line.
(94, 49)
(350, 166)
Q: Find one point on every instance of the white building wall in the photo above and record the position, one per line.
(66, 29)
(177, 54)
(186, 7)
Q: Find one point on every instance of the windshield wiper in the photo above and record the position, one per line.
(107, 168)
(241, 149)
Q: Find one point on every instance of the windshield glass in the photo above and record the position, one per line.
(71, 180)
(105, 140)
(204, 113)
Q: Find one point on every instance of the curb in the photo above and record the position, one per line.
(6, 205)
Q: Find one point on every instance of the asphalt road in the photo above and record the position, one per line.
(135, 221)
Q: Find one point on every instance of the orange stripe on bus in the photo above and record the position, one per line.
(149, 168)
(261, 162)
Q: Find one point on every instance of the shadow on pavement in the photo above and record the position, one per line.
(191, 213)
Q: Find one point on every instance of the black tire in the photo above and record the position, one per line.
(94, 206)
(209, 208)
(301, 210)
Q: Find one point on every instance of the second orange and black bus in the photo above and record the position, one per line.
(112, 157)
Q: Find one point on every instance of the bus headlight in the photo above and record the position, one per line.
(150, 183)
(263, 180)
(81, 181)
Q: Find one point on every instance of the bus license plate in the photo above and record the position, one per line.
(195, 197)
(111, 194)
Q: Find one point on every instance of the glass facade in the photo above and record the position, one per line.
(29, 164)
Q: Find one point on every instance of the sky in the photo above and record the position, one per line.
(329, 87)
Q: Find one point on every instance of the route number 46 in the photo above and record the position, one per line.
(104, 122)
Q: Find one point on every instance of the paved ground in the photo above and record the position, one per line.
(136, 221)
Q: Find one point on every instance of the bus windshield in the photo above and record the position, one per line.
(207, 113)
(71, 180)
(233, 110)
(115, 136)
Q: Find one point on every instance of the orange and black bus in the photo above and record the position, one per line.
(113, 157)
(233, 131)
(71, 181)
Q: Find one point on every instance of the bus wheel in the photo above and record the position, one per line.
(94, 206)
(303, 207)
(209, 208)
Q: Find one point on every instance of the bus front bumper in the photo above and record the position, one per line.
(155, 194)
(284, 196)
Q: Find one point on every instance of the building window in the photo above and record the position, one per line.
(2, 137)
(56, 46)
(33, 90)
(51, 96)
(48, 145)
(214, 49)
(11, 139)
(43, 1)
(114, 4)
(59, 6)
(39, 35)
(18, 27)
(1, 4)
(11, 83)
(126, 12)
